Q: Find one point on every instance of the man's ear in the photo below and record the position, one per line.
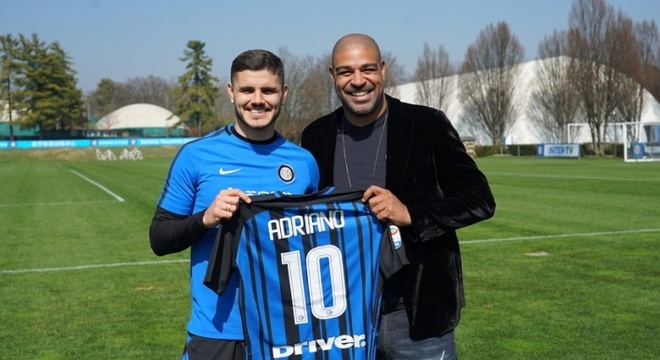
(331, 70)
(230, 91)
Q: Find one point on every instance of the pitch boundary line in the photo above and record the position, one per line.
(522, 238)
(117, 197)
(58, 203)
(573, 177)
(96, 266)
(482, 241)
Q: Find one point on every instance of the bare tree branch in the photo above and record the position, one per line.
(487, 85)
(432, 77)
(604, 58)
(554, 102)
(395, 75)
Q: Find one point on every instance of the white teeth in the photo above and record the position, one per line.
(360, 93)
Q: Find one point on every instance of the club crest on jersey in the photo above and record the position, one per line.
(285, 172)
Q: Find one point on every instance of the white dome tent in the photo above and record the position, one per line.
(141, 119)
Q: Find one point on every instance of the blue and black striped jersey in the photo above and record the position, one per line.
(222, 160)
(309, 274)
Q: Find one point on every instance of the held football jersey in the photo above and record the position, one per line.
(223, 159)
(309, 270)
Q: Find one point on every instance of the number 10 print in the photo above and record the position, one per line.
(330, 255)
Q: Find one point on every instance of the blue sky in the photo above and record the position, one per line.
(121, 39)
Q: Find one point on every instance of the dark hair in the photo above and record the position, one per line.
(255, 60)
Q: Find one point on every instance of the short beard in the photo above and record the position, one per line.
(244, 124)
(366, 112)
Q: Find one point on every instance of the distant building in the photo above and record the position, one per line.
(524, 129)
(136, 120)
(15, 129)
(140, 120)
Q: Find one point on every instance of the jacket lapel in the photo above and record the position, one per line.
(328, 142)
(400, 131)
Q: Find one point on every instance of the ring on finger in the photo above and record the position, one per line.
(228, 207)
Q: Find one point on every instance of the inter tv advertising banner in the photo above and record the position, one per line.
(82, 143)
(558, 150)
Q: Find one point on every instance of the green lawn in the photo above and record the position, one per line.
(567, 269)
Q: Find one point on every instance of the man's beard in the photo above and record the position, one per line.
(361, 113)
(241, 119)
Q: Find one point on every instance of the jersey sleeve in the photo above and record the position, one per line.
(178, 195)
(392, 251)
(222, 261)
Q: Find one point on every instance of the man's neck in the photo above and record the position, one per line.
(264, 134)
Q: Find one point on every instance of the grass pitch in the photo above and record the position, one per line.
(567, 269)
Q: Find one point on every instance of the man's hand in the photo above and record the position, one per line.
(386, 206)
(224, 206)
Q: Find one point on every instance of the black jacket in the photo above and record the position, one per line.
(430, 172)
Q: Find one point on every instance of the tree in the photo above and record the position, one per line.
(47, 95)
(197, 91)
(110, 96)
(149, 90)
(432, 77)
(587, 25)
(295, 107)
(554, 102)
(624, 60)
(648, 40)
(319, 82)
(311, 93)
(223, 107)
(395, 74)
(9, 67)
(486, 88)
(103, 100)
(604, 57)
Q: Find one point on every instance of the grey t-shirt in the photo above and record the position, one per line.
(360, 154)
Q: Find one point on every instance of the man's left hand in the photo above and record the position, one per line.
(386, 206)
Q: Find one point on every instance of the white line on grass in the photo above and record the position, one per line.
(83, 267)
(573, 177)
(522, 238)
(119, 198)
(159, 262)
(58, 203)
